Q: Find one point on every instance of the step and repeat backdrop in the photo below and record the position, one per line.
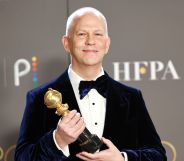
(147, 52)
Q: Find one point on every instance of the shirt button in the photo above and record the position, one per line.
(96, 123)
(93, 103)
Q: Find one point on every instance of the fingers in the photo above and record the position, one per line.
(79, 126)
(110, 154)
(70, 116)
(74, 120)
(72, 124)
(107, 142)
(87, 156)
(69, 128)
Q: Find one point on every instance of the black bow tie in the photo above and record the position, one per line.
(100, 85)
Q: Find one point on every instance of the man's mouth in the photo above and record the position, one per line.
(90, 51)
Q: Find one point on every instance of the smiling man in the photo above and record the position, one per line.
(113, 111)
(87, 42)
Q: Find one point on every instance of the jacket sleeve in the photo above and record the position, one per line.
(34, 142)
(148, 145)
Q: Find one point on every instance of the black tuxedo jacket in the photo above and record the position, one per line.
(127, 124)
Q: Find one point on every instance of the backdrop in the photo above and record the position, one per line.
(146, 52)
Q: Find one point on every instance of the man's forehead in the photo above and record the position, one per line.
(87, 20)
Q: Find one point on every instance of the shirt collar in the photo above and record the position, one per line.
(75, 78)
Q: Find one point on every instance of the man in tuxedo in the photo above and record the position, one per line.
(113, 111)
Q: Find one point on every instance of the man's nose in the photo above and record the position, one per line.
(90, 40)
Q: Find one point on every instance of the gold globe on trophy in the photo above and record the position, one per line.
(87, 141)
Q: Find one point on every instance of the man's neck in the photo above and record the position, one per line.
(88, 73)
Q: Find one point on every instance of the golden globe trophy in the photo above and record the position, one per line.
(87, 141)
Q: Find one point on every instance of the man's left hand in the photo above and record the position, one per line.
(109, 154)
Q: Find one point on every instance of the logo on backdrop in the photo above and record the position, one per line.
(170, 148)
(18, 73)
(145, 70)
(21, 68)
(123, 71)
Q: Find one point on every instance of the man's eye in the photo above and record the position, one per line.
(99, 34)
(81, 34)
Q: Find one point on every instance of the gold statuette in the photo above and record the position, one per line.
(87, 141)
(53, 99)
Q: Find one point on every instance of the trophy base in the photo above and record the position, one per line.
(91, 145)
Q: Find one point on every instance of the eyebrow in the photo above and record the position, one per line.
(84, 30)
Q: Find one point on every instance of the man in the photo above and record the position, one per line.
(118, 115)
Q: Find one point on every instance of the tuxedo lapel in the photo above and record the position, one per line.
(64, 86)
(61, 84)
(116, 110)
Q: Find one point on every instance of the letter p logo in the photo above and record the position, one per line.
(18, 73)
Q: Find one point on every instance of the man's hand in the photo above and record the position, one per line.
(110, 154)
(69, 128)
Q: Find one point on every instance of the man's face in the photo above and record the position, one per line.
(87, 41)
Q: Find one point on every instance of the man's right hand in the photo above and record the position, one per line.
(69, 128)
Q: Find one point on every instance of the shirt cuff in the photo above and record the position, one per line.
(125, 156)
(65, 150)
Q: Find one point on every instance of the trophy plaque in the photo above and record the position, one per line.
(87, 141)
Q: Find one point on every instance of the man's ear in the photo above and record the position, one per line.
(108, 42)
(65, 42)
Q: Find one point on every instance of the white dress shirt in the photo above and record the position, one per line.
(92, 108)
